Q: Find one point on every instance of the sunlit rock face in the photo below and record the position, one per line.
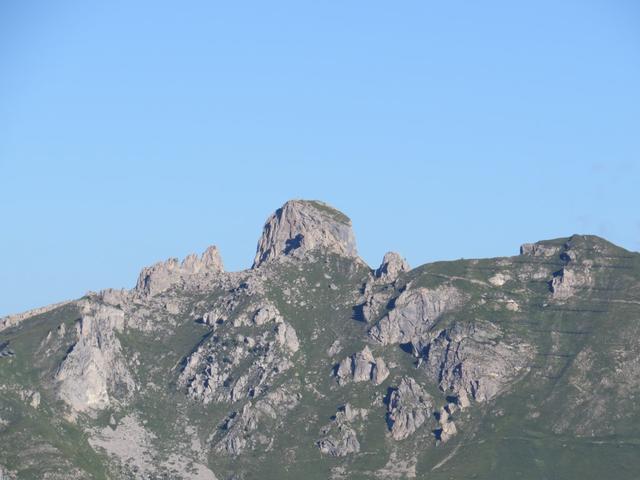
(300, 226)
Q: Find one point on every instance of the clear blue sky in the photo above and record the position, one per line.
(132, 131)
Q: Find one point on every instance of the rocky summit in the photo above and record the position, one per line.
(314, 365)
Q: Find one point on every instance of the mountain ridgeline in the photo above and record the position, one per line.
(313, 365)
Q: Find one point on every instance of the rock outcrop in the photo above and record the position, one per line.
(392, 265)
(301, 226)
(362, 367)
(5, 350)
(578, 255)
(287, 337)
(339, 438)
(539, 249)
(408, 408)
(374, 299)
(241, 430)
(570, 279)
(94, 372)
(414, 313)
(575, 275)
(471, 361)
(266, 313)
(380, 288)
(447, 427)
(341, 444)
(234, 366)
(164, 275)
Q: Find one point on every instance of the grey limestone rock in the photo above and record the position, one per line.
(414, 313)
(408, 408)
(343, 443)
(373, 301)
(242, 430)
(287, 337)
(576, 274)
(238, 302)
(94, 371)
(267, 313)
(392, 265)
(163, 275)
(334, 348)
(472, 361)
(539, 250)
(301, 226)
(339, 438)
(361, 367)
(233, 366)
(447, 427)
(569, 279)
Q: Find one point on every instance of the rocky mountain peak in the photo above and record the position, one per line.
(162, 275)
(303, 225)
(392, 265)
(209, 260)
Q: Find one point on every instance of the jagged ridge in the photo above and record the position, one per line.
(311, 355)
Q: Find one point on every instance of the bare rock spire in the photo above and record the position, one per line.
(392, 265)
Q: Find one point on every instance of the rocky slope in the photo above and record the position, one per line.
(313, 365)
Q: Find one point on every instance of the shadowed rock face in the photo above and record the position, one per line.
(300, 226)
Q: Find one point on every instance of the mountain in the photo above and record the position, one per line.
(313, 365)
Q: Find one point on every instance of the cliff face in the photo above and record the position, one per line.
(301, 226)
(313, 365)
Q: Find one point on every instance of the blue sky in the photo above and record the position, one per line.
(135, 131)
